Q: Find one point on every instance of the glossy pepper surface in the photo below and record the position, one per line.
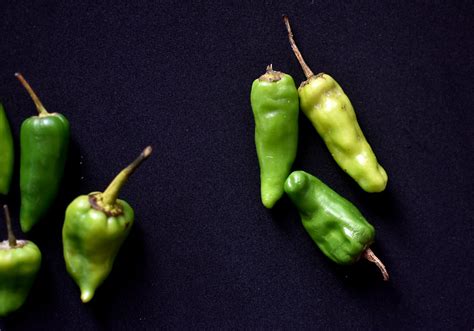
(20, 261)
(44, 141)
(94, 229)
(334, 224)
(330, 111)
(274, 101)
(6, 153)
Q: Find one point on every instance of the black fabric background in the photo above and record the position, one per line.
(204, 252)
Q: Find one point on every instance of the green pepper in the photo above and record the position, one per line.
(328, 108)
(334, 224)
(20, 261)
(95, 227)
(274, 100)
(6, 153)
(44, 141)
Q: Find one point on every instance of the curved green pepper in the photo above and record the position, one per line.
(6, 153)
(334, 224)
(274, 100)
(95, 227)
(328, 108)
(20, 261)
(44, 141)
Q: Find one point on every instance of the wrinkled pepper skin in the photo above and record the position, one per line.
(91, 242)
(274, 100)
(6, 153)
(328, 108)
(44, 141)
(18, 268)
(334, 224)
(95, 227)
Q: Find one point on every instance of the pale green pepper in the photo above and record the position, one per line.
(328, 108)
(95, 227)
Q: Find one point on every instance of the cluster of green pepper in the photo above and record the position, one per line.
(334, 224)
(95, 225)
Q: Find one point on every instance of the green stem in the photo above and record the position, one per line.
(8, 220)
(39, 106)
(110, 194)
(307, 71)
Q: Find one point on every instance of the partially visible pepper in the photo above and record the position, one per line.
(95, 227)
(328, 108)
(44, 141)
(334, 224)
(274, 100)
(6, 153)
(20, 261)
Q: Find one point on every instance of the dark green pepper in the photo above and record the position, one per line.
(20, 261)
(44, 141)
(274, 100)
(330, 111)
(334, 224)
(6, 153)
(95, 227)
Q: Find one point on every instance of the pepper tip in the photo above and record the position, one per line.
(86, 296)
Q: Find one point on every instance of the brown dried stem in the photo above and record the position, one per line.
(307, 71)
(370, 256)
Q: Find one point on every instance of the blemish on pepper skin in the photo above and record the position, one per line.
(321, 75)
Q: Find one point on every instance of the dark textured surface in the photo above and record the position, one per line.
(204, 253)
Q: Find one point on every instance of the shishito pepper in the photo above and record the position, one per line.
(274, 100)
(6, 153)
(334, 224)
(20, 261)
(44, 141)
(328, 108)
(94, 229)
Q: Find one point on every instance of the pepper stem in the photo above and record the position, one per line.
(370, 256)
(111, 193)
(36, 100)
(8, 220)
(307, 71)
